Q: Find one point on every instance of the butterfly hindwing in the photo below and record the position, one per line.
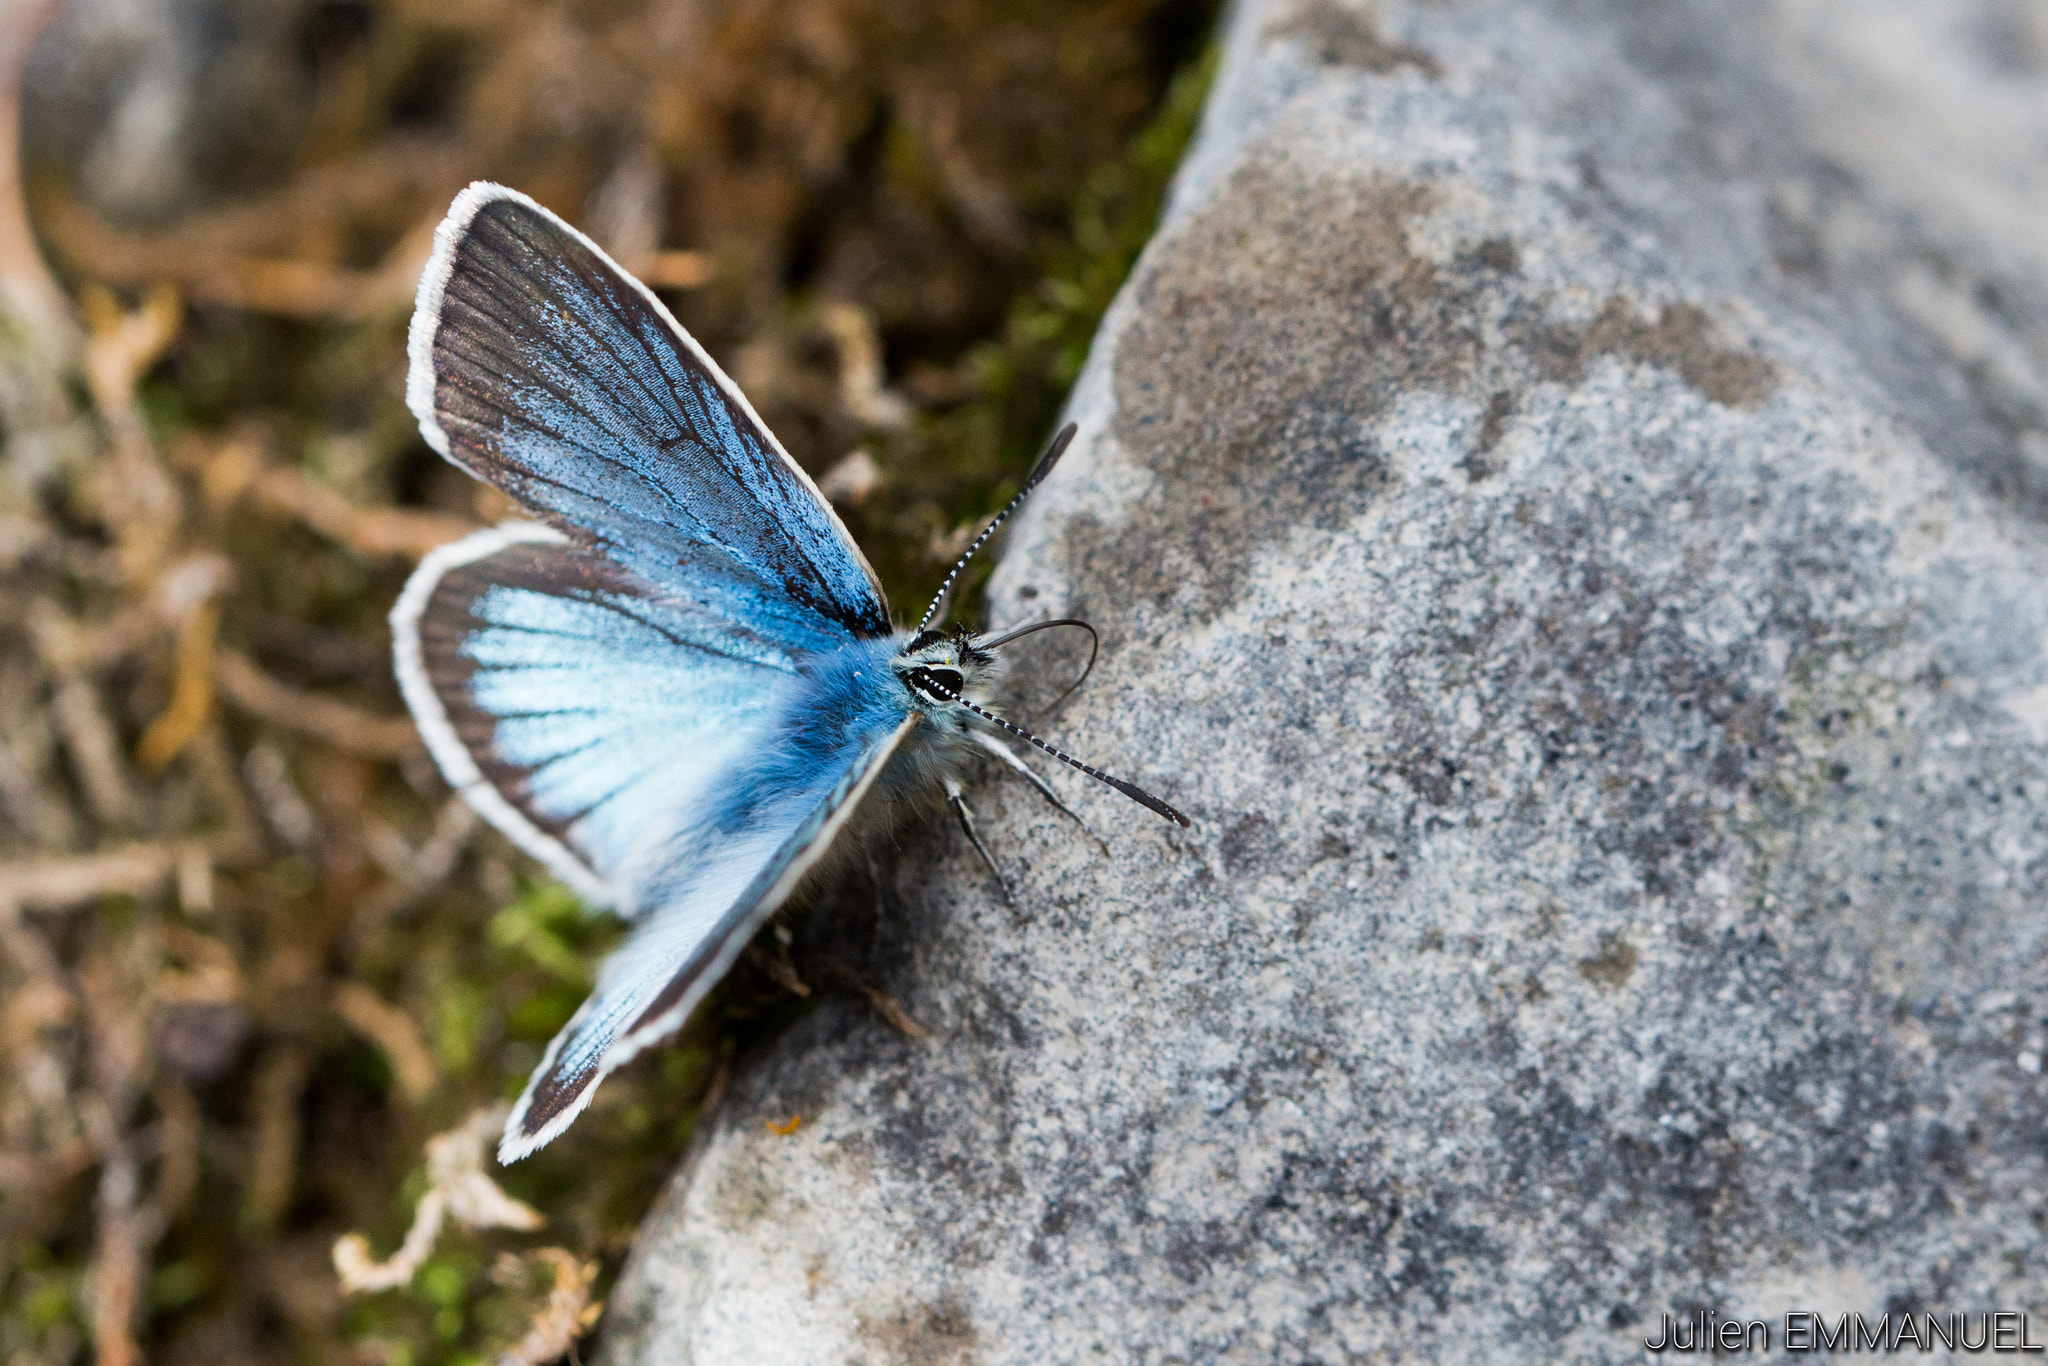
(711, 906)
(571, 703)
(542, 367)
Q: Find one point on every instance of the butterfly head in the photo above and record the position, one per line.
(942, 669)
(950, 678)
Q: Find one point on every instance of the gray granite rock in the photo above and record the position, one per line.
(1564, 496)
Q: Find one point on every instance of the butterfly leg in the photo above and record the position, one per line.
(881, 903)
(958, 801)
(999, 750)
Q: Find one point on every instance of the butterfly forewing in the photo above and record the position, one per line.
(539, 365)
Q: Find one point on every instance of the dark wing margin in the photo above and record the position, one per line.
(679, 951)
(541, 366)
(450, 735)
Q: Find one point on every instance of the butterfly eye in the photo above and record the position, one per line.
(935, 684)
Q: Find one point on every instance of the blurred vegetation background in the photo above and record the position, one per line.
(253, 957)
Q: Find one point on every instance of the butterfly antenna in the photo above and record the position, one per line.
(1094, 646)
(1131, 790)
(1038, 473)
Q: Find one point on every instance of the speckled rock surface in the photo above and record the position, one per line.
(1564, 497)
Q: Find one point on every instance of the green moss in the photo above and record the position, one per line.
(47, 1301)
(968, 461)
(460, 1008)
(1051, 327)
(176, 1285)
(540, 926)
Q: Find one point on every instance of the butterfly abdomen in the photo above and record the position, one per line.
(842, 697)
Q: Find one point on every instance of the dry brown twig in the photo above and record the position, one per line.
(851, 478)
(119, 1059)
(414, 872)
(567, 1315)
(458, 1189)
(285, 810)
(63, 882)
(191, 691)
(393, 1033)
(212, 972)
(285, 287)
(135, 492)
(65, 649)
(238, 468)
(715, 1092)
(892, 1010)
(367, 184)
(436, 859)
(39, 1113)
(195, 882)
(177, 1144)
(278, 1088)
(775, 962)
(95, 749)
(671, 269)
(27, 743)
(30, 292)
(289, 288)
(860, 369)
(345, 727)
(117, 1262)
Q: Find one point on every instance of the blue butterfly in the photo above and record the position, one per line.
(679, 685)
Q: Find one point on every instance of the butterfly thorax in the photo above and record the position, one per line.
(856, 694)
